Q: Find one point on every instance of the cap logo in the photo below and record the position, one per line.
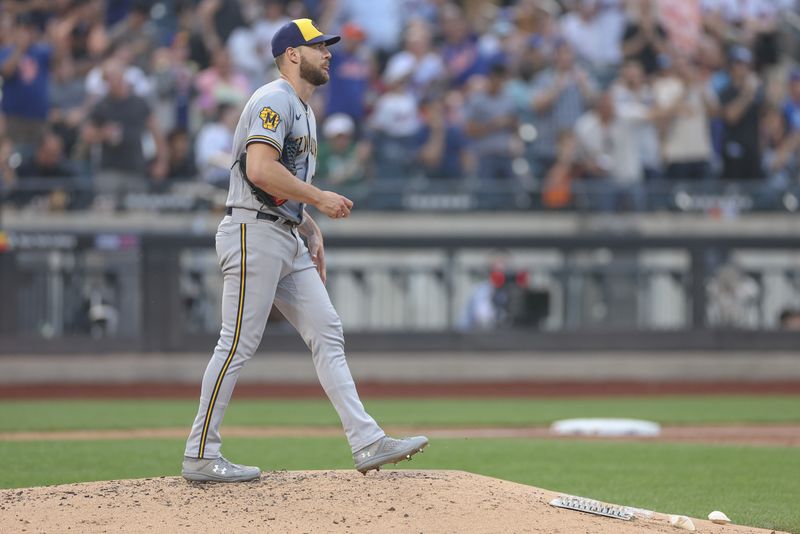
(307, 29)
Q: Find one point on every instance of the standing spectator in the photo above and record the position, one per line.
(351, 69)
(173, 83)
(460, 49)
(595, 32)
(491, 123)
(68, 102)
(214, 144)
(633, 98)
(683, 107)
(780, 150)
(609, 154)
(25, 69)
(342, 159)
(117, 124)
(742, 102)
(394, 124)
(220, 83)
(645, 39)
(136, 78)
(381, 20)
(791, 104)
(443, 147)
(136, 33)
(429, 69)
(559, 96)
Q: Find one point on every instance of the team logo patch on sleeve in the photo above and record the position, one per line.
(269, 119)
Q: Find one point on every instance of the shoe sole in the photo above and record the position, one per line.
(377, 462)
(202, 477)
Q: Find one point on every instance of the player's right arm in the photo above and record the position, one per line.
(266, 172)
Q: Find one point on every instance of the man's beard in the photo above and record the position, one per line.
(311, 75)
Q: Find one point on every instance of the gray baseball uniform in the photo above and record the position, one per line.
(265, 261)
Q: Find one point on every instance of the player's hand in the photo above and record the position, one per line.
(334, 205)
(317, 252)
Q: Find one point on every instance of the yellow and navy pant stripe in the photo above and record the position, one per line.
(236, 334)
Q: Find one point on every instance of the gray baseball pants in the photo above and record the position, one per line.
(264, 262)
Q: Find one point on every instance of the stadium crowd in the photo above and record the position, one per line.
(584, 102)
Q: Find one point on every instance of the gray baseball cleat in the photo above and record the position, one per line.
(387, 451)
(217, 470)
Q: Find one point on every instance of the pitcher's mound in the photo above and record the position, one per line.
(312, 501)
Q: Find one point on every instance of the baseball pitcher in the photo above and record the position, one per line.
(265, 260)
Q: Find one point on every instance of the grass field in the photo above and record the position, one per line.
(758, 486)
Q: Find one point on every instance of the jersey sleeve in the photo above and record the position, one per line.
(270, 120)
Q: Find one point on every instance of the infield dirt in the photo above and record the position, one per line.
(315, 501)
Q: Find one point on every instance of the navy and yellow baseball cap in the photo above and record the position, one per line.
(299, 32)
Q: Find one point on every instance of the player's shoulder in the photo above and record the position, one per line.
(276, 91)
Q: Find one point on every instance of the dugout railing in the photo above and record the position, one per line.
(114, 292)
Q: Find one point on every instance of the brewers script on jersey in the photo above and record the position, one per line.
(264, 260)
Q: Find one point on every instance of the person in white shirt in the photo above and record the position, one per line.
(684, 105)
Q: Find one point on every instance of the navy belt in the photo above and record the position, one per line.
(262, 216)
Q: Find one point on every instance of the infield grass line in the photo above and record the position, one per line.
(159, 413)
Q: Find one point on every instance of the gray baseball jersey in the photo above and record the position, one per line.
(275, 115)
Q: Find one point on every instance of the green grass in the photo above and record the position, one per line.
(753, 485)
(120, 414)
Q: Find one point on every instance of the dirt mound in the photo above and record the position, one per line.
(312, 501)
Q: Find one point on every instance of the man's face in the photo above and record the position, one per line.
(315, 61)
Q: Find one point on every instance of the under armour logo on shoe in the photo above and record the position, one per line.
(366, 454)
(219, 470)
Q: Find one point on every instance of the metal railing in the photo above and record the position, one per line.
(106, 292)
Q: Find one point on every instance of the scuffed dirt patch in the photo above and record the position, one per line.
(313, 501)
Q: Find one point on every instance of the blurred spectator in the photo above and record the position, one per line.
(733, 298)
(68, 102)
(645, 39)
(491, 124)
(136, 78)
(271, 18)
(559, 96)
(780, 150)
(558, 181)
(395, 124)
(683, 106)
(181, 156)
(460, 49)
(48, 160)
(220, 84)
(443, 147)
(352, 66)
(610, 155)
(8, 172)
(429, 69)
(381, 20)
(742, 101)
(342, 160)
(117, 125)
(173, 84)
(594, 32)
(136, 33)
(214, 144)
(791, 104)
(633, 97)
(25, 69)
(790, 319)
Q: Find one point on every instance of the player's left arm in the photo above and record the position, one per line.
(309, 229)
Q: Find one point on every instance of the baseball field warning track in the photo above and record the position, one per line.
(315, 501)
